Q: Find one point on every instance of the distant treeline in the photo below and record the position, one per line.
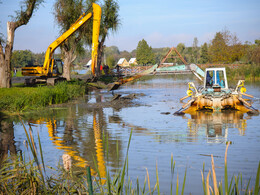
(225, 48)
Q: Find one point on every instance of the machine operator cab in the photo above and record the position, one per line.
(57, 67)
(215, 79)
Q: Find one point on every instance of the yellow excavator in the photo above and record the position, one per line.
(51, 70)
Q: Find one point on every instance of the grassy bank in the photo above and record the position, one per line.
(249, 72)
(20, 176)
(19, 99)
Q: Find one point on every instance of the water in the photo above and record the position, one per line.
(79, 130)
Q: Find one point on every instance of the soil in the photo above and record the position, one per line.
(117, 102)
(19, 79)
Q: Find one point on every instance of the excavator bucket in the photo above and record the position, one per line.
(114, 86)
(117, 84)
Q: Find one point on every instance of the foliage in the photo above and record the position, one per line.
(144, 54)
(225, 48)
(6, 47)
(195, 50)
(21, 58)
(111, 61)
(110, 23)
(218, 49)
(204, 55)
(66, 13)
(183, 51)
(38, 97)
(249, 72)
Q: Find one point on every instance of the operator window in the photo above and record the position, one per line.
(220, 78)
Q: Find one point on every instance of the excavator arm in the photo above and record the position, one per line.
(47, 68)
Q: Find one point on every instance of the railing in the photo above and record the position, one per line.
(127, 71)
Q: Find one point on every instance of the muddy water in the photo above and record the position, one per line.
(85, 131)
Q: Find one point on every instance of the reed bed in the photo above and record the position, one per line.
(21, 176)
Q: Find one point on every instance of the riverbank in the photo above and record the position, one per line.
(21, 99)
(248, 72)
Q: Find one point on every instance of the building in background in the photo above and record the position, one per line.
(122, 62)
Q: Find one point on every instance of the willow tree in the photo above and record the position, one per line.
(6, 47)
(66, 13)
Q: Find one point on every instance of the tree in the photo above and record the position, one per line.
(21, 58)
(109, 23)
(195, 50)
(181, 48)
(204, 56)
(112, 50)
(255, 53)
(218, 48)
(22, 18)
(66, 13)
(144, 53)
(111, 61)
(226, 48)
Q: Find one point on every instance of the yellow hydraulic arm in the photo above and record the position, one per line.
(47, 67)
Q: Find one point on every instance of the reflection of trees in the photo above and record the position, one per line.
(7, 142)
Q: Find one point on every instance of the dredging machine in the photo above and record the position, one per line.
(216, 96)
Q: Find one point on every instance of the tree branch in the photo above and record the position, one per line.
(24, 16)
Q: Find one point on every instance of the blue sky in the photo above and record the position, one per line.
(162, 23)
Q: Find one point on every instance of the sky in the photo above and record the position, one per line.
(163, 23)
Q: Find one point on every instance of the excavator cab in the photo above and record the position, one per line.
(57, 69)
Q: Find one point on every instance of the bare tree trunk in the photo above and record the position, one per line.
(68, 59)
(5, 55)
(5, 58)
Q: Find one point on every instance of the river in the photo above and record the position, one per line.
(102, 133)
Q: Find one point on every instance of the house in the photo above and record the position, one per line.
(122, 62)
(88, 65)
(132, 61)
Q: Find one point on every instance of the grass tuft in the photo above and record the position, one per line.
(20, 99)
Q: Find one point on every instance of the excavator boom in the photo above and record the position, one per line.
(47, 68)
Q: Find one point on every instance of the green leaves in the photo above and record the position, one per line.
(144, 53)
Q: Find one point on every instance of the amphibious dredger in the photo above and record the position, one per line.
(215, 95)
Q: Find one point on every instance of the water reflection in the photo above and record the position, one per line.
(215, 124)
(70, 140)
(7, 143)
(99, 145)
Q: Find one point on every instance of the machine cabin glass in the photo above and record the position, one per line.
(216, 77)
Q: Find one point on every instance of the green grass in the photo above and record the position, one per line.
(20, 99)
(249, 72)
(18, 74)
